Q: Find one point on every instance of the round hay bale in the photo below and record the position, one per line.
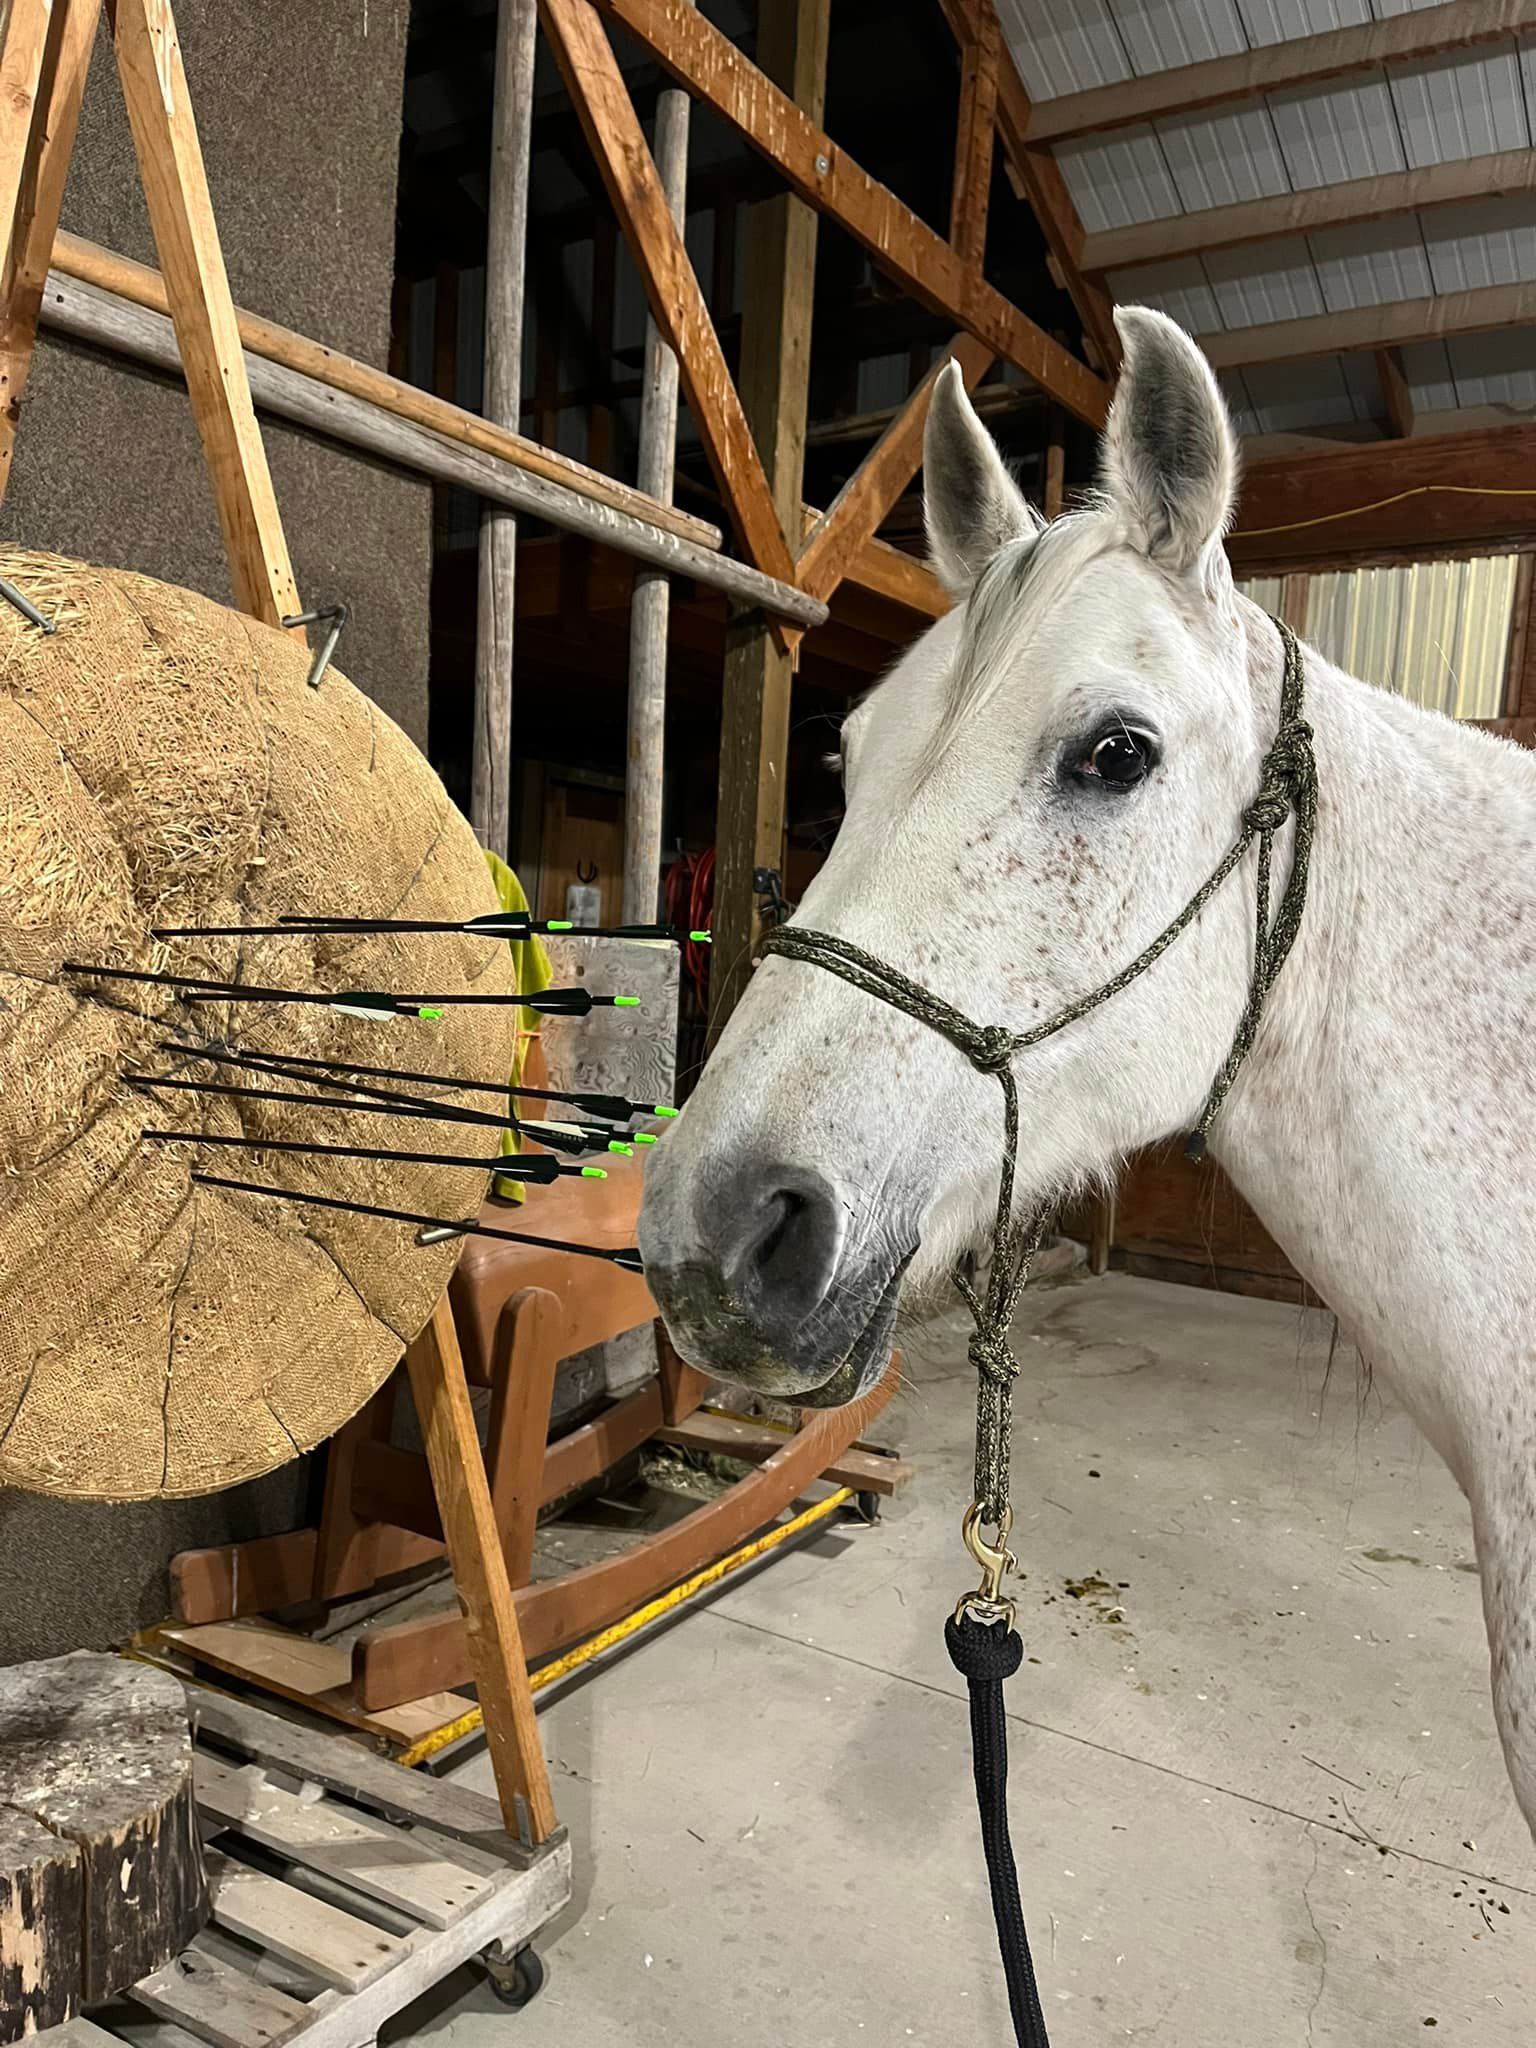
(164, 762)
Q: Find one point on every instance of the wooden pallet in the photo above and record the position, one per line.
(343, 1888)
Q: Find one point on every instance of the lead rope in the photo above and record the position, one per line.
(980, 1634)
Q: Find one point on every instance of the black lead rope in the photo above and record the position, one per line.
(980, 1634)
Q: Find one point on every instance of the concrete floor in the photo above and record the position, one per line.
(1257, 1795)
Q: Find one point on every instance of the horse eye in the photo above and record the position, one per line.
(1122, 759)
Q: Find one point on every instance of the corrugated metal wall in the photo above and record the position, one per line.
(1438, 632)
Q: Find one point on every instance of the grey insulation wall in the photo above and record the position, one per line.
(299, 110)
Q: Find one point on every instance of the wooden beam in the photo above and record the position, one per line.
(1520, 675)
(109, 272)
(23, 95)
(1380, 328)
(775, 390)
(1426, 495)
(1322, 206)
(613, 130)
(480, 1576)
(1455, 26)
(1045, 189)
(490, 801)
(854, 517)
(1054, 496)
(31, 224)
(1396, 396)
(197, 285)
(975, 133)
(107, 321)
(900, 244)
(900, 578)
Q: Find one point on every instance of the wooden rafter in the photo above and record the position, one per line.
(613, 130)
(928, 270)
(1322, 206)
(854, 517)
(1374, 327)
(32, 193)
(1396, 397)
(981, 41)
(1307, 60)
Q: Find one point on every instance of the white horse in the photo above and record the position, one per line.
(1034, 792)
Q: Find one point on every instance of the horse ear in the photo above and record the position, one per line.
(1170, 460)
(971, 505)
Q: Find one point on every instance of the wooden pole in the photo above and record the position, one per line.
(490, 804)
(108, 321)
(1055, 463)
(775, 367)
(452, 1442)
(32, 192)
(652, 593)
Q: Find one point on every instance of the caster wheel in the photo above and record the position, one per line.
(518, 1982)
(866, 1506)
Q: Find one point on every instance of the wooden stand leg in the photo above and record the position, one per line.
(345, 1559)
(683, 1387)
(519, 1428)
(32, 183)
(480, 1574)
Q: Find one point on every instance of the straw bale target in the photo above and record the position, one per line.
(163, 761)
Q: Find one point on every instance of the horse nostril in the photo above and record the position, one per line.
(779, 1241)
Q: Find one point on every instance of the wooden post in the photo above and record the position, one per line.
(187, 237)
(651, 600)
(32, 183)
(775, 368)
(457, 1463)
(490, 804)
(980, 51)
(1055, 462)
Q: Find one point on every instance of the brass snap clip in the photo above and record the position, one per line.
(988, 1603)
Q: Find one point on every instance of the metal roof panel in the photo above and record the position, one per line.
(1288, 398)
(1455, 107)
(1486, 241)
(1371, 263)
(1063, 45)
(1343, 129)
(1179, 288)
(1428, 370)
(1159, 35)
(1119, 180)
(1271, 281)
(1494, 369)
(1283, 21)
(1222, 158)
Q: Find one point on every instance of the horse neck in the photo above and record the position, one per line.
(1390, 1075)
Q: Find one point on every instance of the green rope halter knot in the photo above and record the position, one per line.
(1287, 789)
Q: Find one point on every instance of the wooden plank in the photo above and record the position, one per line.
(1298, 213)
(775, 389)
(82, 2033)
(417, 1873)
(347, 1767)
(584, 1455)
(187, 238)
(29, 211)
(389, 1662)
(145, 287)
(490, 808)
(1381, 328)
(1039, 180)
(1520, 669)
(216, 2003)
(1455, 26)
(23, 95)
(617, 141)
(1396, 396)
(975, 132)
(729, 1436)
(233, 1579)
(107, 320)
(713, 69)
(311, 1674)
(891, 573)
(490, 1624)
(651, 602)
(319, 1938)
(1443, 491)
(855, 514)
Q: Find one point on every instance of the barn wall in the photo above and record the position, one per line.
(299, 108)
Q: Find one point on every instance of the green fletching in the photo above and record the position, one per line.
(662, 1109)
(594, 1173)
(645, 1138)
(618, 1145)
(559, 924)
(626, 1002)
(702, 938)
(432, 1016)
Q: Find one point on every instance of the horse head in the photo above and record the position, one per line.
(1035, 790)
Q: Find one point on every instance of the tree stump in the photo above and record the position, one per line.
(101, 1866)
